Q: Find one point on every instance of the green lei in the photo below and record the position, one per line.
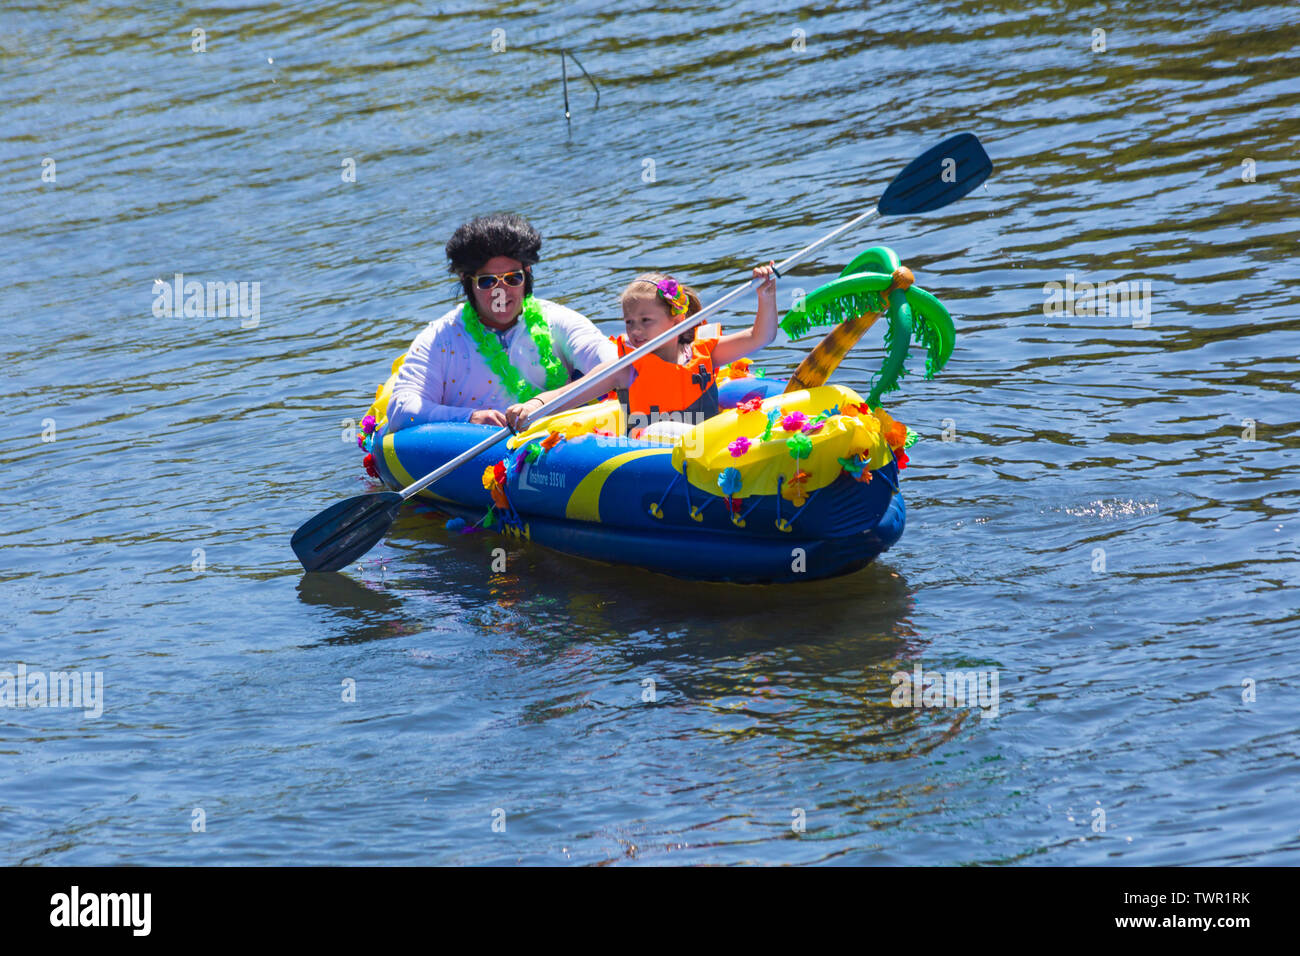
(489, 347)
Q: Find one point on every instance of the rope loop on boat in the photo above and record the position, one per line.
(657, 509)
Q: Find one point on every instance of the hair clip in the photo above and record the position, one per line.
(674, 295)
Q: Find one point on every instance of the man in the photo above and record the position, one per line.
(501, 345)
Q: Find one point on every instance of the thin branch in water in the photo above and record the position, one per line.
(588, 76)
(564, 73)
(564, 76)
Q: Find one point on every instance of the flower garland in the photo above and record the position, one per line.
(490, 350)
(799, 426)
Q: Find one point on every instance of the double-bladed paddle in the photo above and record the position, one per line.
(345, 531)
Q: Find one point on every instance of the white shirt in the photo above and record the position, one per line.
(444, 379)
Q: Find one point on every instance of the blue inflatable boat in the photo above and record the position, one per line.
(777, 487)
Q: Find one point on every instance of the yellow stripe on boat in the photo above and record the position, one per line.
(395, 467)
(394, 464)
(584, 503)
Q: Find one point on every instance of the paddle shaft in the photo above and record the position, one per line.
(585, 386)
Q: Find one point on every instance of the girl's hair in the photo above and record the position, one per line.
(500, 234)
(645, 286)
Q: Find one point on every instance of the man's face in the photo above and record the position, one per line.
(498, 305)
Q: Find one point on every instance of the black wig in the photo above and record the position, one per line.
(484, 238)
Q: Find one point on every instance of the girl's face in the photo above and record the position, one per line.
(644, 318)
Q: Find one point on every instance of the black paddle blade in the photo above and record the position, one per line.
(344, 532)
(937, 177)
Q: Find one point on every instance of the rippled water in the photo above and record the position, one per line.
(1102, 533)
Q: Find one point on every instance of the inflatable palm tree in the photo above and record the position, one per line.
(873, 283)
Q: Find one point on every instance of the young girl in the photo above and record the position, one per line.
(676, 379)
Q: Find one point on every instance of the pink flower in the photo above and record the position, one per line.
(738, 447)
(794, 421)
(813, 427)
(368, 424)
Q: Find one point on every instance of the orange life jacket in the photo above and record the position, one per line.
(661, 387)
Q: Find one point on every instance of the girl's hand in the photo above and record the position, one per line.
(740, 344)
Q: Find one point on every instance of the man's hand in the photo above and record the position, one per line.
(515, 412)
(488, 416)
